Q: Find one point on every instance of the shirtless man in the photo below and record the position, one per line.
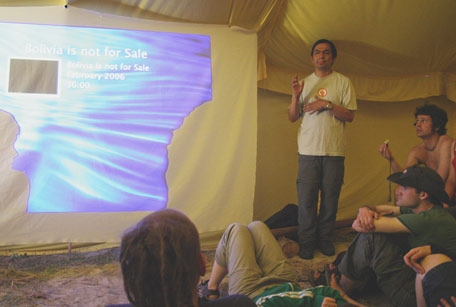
(435, 150)
(450, 186)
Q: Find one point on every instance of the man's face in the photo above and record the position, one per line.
(322, 57)
(423, 126)
(407, 197)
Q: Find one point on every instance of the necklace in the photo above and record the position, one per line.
(432, 149)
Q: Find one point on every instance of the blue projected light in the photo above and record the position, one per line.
(97, 109)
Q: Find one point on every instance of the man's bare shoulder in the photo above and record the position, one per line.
(445, 140)
(444, 145)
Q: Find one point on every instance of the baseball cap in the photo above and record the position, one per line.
(422, 178)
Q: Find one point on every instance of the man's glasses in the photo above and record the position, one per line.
(324, 52)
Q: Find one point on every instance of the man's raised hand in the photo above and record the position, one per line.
(297, 86)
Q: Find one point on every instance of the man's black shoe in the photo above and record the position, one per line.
(306, 251)
(326, 247)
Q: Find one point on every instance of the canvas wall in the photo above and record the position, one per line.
(365, 170)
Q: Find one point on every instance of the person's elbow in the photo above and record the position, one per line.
(292, 117)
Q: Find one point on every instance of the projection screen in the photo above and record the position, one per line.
(97, 108)
(119, 117)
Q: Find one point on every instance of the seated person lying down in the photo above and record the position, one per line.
(258, 268)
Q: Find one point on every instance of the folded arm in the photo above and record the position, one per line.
(382, 224)
(367, 216)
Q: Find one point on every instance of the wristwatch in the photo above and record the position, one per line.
(329, 106)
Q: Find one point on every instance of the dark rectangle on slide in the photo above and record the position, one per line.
(33, 76)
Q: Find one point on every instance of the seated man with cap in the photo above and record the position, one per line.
(378, 249)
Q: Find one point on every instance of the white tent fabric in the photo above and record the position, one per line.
(211, 170)
(403, 52)
(393, 50)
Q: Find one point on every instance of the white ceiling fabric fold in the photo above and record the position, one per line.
(393, 50)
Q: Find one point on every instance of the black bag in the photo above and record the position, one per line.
(287, 217)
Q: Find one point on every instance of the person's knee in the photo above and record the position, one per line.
(374, 239)
(363, 238)
(233, 227)
(257, 225)
(258, 228)
(231, 232)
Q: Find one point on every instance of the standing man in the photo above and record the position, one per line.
(325, 100)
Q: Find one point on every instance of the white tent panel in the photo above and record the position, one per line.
(211, 170)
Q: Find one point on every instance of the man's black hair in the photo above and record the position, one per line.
(439, 116)
(323, 41)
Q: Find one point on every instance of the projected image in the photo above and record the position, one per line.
(97, 109)
(46, 84)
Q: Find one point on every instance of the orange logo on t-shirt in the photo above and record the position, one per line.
(322, 92)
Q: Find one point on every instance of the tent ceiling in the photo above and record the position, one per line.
(375, 39)
(389, 37)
